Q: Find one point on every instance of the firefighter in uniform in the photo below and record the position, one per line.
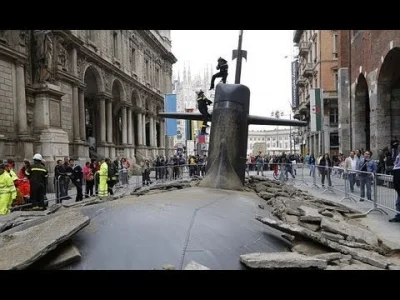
(202, 103)
(223, 72)
(8, 193)
(37, 175)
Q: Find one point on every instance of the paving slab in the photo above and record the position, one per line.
(285, 260)
(20, 249)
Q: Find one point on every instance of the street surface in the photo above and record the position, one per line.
(211, 227)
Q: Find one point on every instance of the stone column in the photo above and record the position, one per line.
(103, 120)
(151, 124)
(124, 126)
(75, 113)
(155, 132)
(129, 115)
(82, 115)
(144, 128)
(344, 111)
(21, 98)
(162, 133)
(74, 61)
(109, 122)
(140, 128)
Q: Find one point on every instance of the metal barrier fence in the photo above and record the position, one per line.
(65, 189)
(378, 188)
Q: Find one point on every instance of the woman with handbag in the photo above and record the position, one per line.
(89, 178)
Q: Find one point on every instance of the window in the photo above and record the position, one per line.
(268, 139)
(147, 75)
(268, 144)
(157, 78)
(286, 146)
(335, 45)
(91, 36)
(336, 79)
(133, 59)
(334, 115)
(315, 51)
(334, 139)
(115, 44)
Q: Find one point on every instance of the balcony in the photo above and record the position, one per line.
(304, 48)
(297, 114)
(304, 106)
(308, 70)
(301, 81)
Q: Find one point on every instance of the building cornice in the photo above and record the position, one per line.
(12, 54)
(153, 41)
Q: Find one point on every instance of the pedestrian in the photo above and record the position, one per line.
(396, 184)
(366, 166)
(325, 167)
(89, 179)
(76, 178)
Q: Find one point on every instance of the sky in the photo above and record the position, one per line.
(267, 72)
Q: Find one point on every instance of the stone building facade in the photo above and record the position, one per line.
(369, 88)
(272, 142)
(318, 68)
(83, 93)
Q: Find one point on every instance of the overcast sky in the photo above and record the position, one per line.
(267, 72)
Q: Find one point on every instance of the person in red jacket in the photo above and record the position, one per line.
(23, 184)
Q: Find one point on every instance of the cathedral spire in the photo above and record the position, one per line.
(184, 72)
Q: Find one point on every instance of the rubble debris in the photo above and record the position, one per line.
(311, 221)
(64, 255)
(281, 260)
(192, 265)
(329, 256)
(368, 257)
(171, 185)
(309, 248)
(17, 218)
(361, 235)
(332, 236)
(294, 212)
(38, 240)
(326, 213)
(168, 267)
(355, 216)
(310, 226)
(288, 237)
(393, 267)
